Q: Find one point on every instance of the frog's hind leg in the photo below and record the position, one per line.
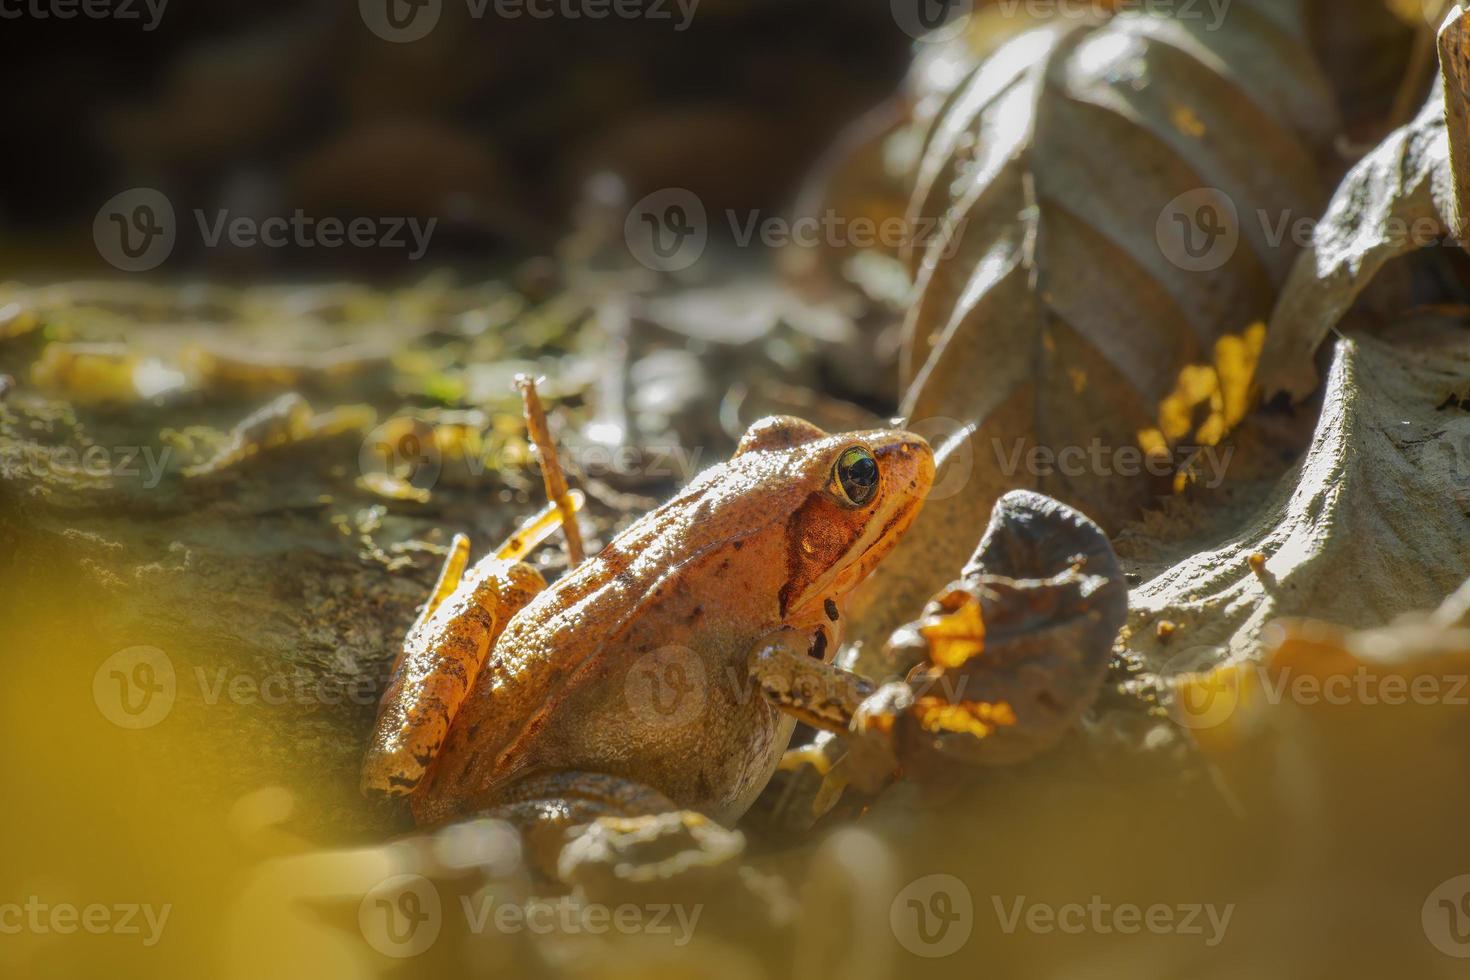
(422, 695)
(592, 829)
(441, 660)
(444, 651)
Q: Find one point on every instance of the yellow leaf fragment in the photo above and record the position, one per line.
(978, 718)
(955, 637)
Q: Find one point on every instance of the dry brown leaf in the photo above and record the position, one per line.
(1059, 306)
(869, 170)
(1397, 199)
(1371, 523)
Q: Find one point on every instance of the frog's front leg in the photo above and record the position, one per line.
(826, 697)
(820, 694)
(600, 831)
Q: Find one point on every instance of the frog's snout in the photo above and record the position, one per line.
(906, 463)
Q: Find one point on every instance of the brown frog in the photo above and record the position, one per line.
(653, 677)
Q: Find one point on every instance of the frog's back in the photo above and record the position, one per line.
(554, 679)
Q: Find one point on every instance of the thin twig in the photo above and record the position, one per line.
(551, 474)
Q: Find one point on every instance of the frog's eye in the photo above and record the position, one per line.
(857, 475)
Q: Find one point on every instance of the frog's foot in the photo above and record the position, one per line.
(606, 833)
(826, 697)
(820, 762)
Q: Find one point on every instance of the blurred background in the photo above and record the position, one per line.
(490, 124)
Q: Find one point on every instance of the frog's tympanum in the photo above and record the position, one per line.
(649, 678)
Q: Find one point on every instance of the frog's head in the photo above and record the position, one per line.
(846, 498)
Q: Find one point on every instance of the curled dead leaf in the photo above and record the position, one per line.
(1006, 659)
